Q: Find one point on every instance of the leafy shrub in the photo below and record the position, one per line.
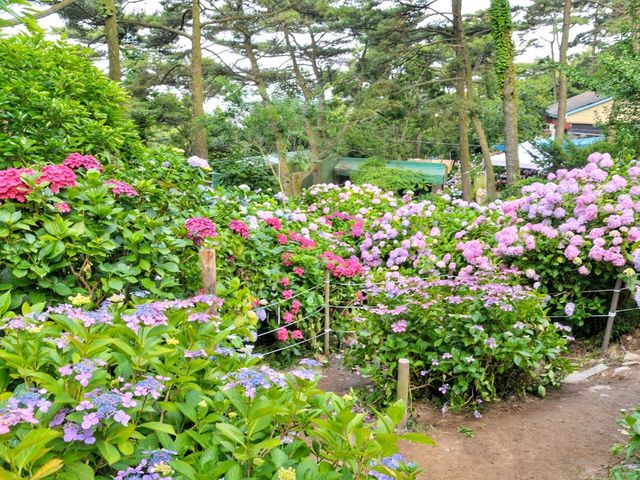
(96, 236)
(375, 172)
(470, 339)
(627, 454)
(170, 389)
(233, 170)
(55, 102)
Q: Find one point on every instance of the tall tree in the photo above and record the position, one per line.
(501, 29)
(463, 122)
(461, 40)
(177, 20)
(200, 145)
(563, 83)
(113, 39)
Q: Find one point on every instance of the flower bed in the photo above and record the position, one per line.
(170, 389)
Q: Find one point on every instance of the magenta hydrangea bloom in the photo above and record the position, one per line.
(240, 228)
(399, 327)
(88, 162)
(199, 228)
(58, 176)
(11, 185)
(121, 188)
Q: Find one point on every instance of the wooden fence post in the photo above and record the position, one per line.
(612, 315)
(208, 265)
(403, 389)
(327, 312)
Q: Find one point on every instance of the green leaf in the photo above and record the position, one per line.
(115, 284)
(160, 427)
(232, 432)
(278, 457)
(108, 452)
(49, 468)
(5, 302)
(418, 438)
(234, 473)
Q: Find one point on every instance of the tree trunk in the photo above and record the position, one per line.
(322, 106)
(113, 42)
(563, 84)
(633, 8)
(501, 29)
(312, 136)
(199, 143)
(490, 177)
(510, 110)
(463, 120)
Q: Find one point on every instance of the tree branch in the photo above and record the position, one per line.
(159, 26)
(45, 13)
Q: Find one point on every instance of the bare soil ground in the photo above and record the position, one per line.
(565, 436)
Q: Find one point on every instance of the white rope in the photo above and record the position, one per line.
(347, 307)
(628, 309)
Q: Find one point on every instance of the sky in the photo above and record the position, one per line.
(468, 6)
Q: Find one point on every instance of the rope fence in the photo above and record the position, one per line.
(208, 263)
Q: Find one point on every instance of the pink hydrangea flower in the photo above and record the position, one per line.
(399, 327)
(199, 228)
(11, 185)
(282, 334)
(240, 228)
(58, 176)
(62, 207)
(88, 162)
(274, 223)
(121, 188)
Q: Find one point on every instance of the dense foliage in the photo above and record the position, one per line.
(86, 237)
(169, 389)
(626, 454)
(375, 172)
(55, 102)
(70, 230)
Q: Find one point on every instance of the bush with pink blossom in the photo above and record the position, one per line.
(471, 338)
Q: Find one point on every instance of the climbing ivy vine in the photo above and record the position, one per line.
(501, 26)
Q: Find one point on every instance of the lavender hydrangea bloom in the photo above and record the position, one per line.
(83, 370)
(156, 467)
(569, 309)
(197, 162)
(394, 462)
(253, 378)
(22, 407)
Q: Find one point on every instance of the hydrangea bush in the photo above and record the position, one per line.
(471, 338)
(171, 389)
(70, 229)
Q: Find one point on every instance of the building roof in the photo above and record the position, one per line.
(578, 102)
(529, 153)
(433, 173)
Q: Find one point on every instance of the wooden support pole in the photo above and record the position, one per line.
(208, 265)
(612, 315)
(327, 312)
(403, 389)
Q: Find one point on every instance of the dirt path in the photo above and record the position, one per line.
(566, 436)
